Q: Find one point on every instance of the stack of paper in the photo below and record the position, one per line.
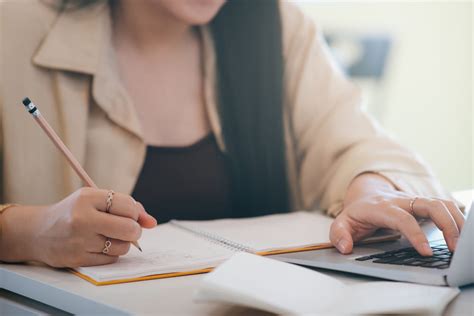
(282, 288)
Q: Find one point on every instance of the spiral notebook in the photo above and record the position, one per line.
(191, 247)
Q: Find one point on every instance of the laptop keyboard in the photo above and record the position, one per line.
(409, 257)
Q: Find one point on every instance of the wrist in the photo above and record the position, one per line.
(16, 233)
(367, 184)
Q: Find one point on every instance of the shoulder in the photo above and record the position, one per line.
(297, 28)
(23, 25)
(32, 17)
(292, 15)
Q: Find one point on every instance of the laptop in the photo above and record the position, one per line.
(399, 261)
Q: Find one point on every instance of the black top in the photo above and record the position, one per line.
(191, 183)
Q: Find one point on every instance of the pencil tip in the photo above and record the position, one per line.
(140, 248)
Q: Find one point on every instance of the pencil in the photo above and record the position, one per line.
(33, 110)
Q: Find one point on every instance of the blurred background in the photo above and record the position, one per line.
(413, 61)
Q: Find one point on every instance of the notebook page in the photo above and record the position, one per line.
(165, 249)
(265, 233)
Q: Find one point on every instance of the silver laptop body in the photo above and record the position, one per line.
(460, 270)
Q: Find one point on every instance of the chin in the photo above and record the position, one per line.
(193, 12)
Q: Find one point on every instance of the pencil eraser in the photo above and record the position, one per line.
(26, 101)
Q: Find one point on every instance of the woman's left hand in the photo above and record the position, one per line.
(372, 202)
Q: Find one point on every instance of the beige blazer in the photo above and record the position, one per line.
(65, 64)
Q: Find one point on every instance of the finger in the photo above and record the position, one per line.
(122, 204)
(397, 218)
(145, 219)
(441, 216)
(97, 259)
(455, 213)
(117, 247)
(117, 227)
(340, 235)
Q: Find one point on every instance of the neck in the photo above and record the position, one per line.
(147, 25)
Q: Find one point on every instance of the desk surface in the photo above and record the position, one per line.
(65, 291)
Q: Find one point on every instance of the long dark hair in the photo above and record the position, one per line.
(248, 43)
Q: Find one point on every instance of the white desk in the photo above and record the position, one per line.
(65, 291)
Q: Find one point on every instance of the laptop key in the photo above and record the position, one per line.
(434, 264)
(403, 254)
(382, 260)
(365, 258)
(444, 266)
(385, 260)
(382, 255)
(444, 257)
(427, 259)
(415, 263)
(404, 261)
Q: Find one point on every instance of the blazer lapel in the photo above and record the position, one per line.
(79, 50)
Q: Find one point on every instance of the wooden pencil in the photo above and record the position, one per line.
(33, 110)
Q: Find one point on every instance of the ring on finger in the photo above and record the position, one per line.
(107, 246)
(412, 203)
(110, 198)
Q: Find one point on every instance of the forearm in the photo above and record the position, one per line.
(16, 242)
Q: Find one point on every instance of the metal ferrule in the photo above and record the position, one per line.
(32, 109)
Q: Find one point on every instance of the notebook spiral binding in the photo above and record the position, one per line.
(229, 244)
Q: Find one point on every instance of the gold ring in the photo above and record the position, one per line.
(107, 246)
(110, 197)
(412, 202)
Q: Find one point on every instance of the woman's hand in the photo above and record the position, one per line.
(73, 232)
(372, 202)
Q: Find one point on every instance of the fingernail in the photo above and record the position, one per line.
(154, 219)
(342, 245)
(425, 247)
(454, 242)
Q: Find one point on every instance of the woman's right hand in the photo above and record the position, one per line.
(72, 232)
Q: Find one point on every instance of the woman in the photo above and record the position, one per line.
(199, 109)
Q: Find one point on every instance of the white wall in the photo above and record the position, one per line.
(427, 92)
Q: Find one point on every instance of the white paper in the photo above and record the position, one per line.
(399, 297)
(270, 232)
(169, 248)
(282, 288)
(165, 249)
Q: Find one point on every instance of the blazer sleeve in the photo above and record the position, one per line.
(1, 130)
(334, 138)
(2, 179)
